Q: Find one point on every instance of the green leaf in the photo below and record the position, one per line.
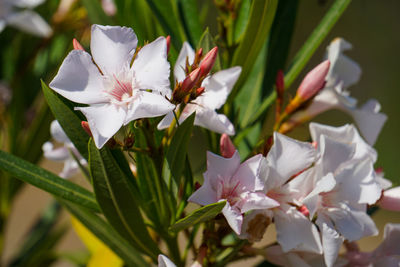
(279, 42)
(207, 43)
(96, 13)
(307, 50)
(242, 20)
(177, 150)
(116, 197)
(315, 39)
(47, 181)
(198, 216)
(190, 14)
(168, 17)
(262, 12)
(68, 120)
(107, 234)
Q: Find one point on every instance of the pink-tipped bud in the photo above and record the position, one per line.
(85, 126)
(77, 45)
(303, 209)
(390, 199)
(314, 81)
(199, 91)
(199, 53)
(191, 80)
(226, 146)
(168, 39)
(208, 61)
(279, 82)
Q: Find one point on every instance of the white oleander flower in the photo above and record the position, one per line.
(116, 92)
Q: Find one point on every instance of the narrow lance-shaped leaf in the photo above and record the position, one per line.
(261, 16)
(68, 120)
(190, 14)
(115, 195)
(177, 150)
(96, 13)
(47, 181)
(198, 216)
(107, 234)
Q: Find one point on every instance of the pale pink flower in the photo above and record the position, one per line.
(239, 184)
(116, 92)
(26, 19)
(390, 199)
(64, 152)
(216, 90)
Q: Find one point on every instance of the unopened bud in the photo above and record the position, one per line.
(168, 39)
(191, 80)
(199, 91)
(197, 58)
(303, 209)
(208, 62)
(390, 199)
(77, 45)
(85, 126)
(280, 83)
(314, 81)
(226, 146)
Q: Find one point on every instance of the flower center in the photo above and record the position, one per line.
(230, 192)
(121, 90)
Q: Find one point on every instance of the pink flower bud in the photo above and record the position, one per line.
(199, 91)
(208, 62)
(77, 45)
(191, 80)
(303, 209)
(226, 146)
(390, 199)
(314, 81)
(85, 126)
(168, 39)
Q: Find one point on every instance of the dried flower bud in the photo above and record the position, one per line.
(191, 80)
(314, 81)
(208, 62)
(85, 126)
(227, 148)
(77, 45)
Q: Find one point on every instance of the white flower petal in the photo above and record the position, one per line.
(112, 47)
(326, 184)
(218, 166)
(256, 200)
(205, 195)
(71, 167)
(233, 217)
(303, 237)
(166, 121)
(180, 64)
(369, 120)
(58, 133)
(30, 22)
(104, 121)
(343, 69)
(27, 3)
(391, 241)
(151, 68)
(358, 183)
(331, 242)
(249, 173)
(163, 261)
(79, 80)
(55, 154)
(148, 105)
(286, 158)
(333, 154)
(391, 199)
(213, 121)
(217, 87)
